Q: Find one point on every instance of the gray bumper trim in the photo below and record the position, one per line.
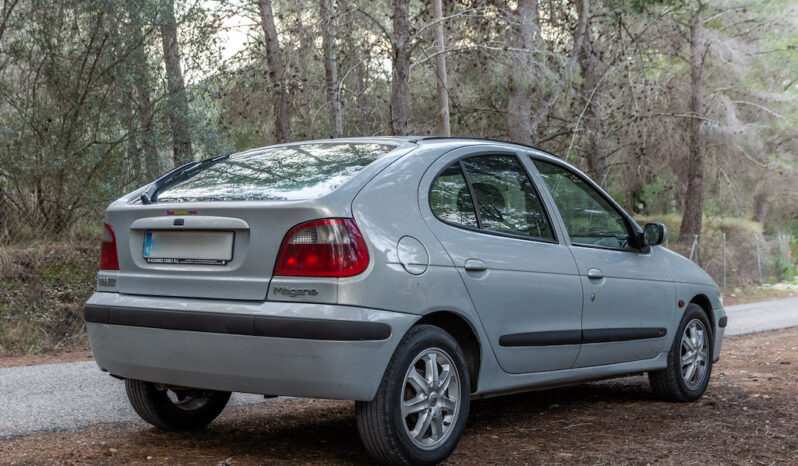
(238, 324)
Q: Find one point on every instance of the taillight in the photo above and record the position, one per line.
(108, 258)
(323, 248)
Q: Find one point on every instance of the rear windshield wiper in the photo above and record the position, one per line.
(178, 174)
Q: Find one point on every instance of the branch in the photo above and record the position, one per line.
(762, 107)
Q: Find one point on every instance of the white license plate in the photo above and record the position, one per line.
(188, 247)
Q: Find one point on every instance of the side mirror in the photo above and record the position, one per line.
(654, 234)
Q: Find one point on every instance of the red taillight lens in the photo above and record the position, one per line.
(108, 258)
(323, 248)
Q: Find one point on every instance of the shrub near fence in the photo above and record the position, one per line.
(42, 290)
(747, 251)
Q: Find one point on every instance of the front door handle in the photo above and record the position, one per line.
(594, 274)
(475, 265)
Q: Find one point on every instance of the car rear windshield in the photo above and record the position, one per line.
(304, 171)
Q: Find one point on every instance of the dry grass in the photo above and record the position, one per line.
(42, 291)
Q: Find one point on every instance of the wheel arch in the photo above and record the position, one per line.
(463, 331)
(704, 303)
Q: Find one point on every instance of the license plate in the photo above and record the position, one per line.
(188, 247)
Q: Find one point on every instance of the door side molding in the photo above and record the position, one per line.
(576, 337)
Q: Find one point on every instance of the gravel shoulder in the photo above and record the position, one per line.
(749, 415)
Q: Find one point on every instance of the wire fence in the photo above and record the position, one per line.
(744, 260)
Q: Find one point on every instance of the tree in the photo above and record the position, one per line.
(523, 38)
(594, 147)
(178, 104)
(444, 128)
(282, 117)
(328, 21)
(693, 208)
(400, 85)
(141, 78)
(5, 15)
(522, 123)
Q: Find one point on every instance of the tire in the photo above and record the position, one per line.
(678, 382)
(175, 409)
(393, 434)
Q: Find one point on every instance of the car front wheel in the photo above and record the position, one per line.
(689, 361)
(421, 406)
(174, 409)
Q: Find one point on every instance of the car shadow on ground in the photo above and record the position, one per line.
(325, 431)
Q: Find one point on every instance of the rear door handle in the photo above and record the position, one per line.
(475, 265)
(594, 274)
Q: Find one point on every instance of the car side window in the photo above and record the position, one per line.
(506, 199)
(589, 218)
(450, 200)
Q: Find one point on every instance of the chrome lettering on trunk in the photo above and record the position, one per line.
(294, 292)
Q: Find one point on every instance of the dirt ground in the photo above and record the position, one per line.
(748, 416)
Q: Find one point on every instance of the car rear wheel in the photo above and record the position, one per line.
(689, 361)
(172, 409)
(421, 406)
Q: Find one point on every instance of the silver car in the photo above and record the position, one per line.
(408, 274)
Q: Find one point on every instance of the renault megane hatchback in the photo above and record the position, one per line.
(409, 275)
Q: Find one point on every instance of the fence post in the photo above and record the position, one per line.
(758, 259)
(724, 260)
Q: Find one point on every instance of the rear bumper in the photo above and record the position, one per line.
(294, 349)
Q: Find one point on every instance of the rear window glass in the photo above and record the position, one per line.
(304, 171)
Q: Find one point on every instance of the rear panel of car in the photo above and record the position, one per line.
(233, 244)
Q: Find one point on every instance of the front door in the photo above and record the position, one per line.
(629, 295)
(522, 279)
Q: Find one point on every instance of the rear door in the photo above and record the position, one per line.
(523, 281)
(629, 295)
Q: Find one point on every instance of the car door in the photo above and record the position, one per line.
(523, 281)
(629, 295)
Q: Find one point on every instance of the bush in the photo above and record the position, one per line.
(42, 291)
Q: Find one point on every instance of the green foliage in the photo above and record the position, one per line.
(42, 291)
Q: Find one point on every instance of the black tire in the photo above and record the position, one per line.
(385, 432)
(190, 409)
(669, 384)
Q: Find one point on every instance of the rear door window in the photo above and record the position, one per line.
(506, 199)
(294, 172)
(450, 200)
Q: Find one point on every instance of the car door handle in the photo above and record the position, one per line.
(594, 274)
(475, 265)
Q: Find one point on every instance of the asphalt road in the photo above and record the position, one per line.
(55, 397)
(759, 317)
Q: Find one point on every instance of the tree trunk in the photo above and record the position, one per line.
(694, 198)
(761, 199)
(282, 123)
(594, 148)
(444, 128)
(360, 56)
(362, 102)
(519, 92)
(5, 15)
(178, 105)
(132, 148)
(141, 82)
(302, 104)
(328, 21)
(400, 86)
(543, 109)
